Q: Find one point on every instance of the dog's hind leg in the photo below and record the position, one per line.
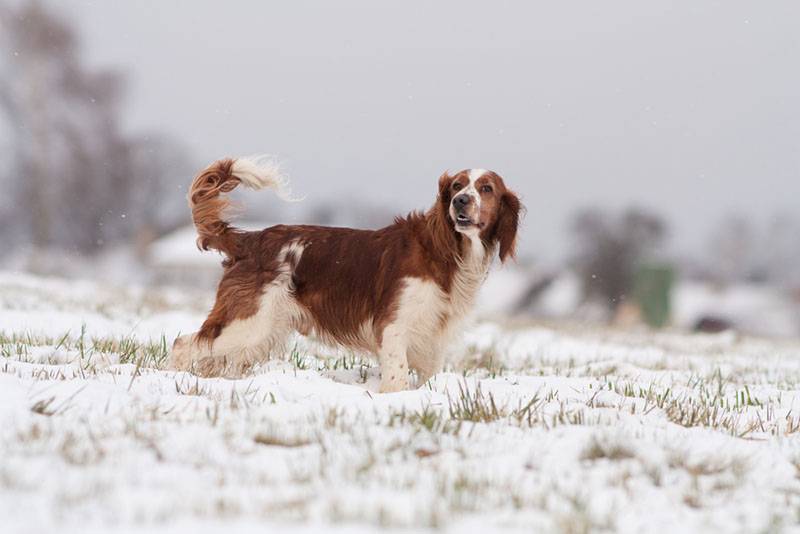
(239, 344)
(250, 319)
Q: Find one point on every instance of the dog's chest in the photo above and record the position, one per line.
(430, 313)
(464, 288)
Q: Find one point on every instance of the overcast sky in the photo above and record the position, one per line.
(689, 107)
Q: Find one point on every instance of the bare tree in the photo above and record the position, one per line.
(609, 248)
(77, 180)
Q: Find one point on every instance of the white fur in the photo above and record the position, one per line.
(392, 356)
(260, 172)
(295, 248)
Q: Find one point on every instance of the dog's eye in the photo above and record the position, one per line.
(486, 189)
(456, 186)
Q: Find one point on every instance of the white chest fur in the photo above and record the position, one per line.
(429, 314)
(427, 317)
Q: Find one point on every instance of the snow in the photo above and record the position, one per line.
(557, 429)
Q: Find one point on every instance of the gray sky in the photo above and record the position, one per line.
(688, 107)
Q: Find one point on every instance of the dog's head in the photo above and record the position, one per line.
(477, 201)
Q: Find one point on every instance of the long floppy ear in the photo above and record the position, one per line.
(444, 189)
(440, 228)
(507, 224)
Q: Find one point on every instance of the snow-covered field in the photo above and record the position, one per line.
(533, 429)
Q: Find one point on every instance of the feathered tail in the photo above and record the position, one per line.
(208, 200)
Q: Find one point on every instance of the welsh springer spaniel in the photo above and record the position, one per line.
(398, 292)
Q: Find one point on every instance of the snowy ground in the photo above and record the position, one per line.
(534, 429)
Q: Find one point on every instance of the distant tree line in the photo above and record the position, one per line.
(71, 178)
(611, 246)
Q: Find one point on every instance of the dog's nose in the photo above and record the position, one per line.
(461, 201)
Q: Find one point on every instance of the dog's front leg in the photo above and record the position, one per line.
(393, 360)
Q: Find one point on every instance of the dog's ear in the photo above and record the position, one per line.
(507, 224)
(445, 180)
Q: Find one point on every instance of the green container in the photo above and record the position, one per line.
(652, 286)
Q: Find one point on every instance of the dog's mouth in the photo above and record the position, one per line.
(463, 221)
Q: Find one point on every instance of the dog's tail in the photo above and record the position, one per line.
(208, 200)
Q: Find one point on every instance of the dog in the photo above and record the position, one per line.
(399, 292)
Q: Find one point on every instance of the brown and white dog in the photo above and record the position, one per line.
(398, 292)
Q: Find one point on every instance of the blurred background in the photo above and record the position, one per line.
(655, 145)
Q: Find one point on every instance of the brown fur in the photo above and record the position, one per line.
(208, 205)
(343, 277)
